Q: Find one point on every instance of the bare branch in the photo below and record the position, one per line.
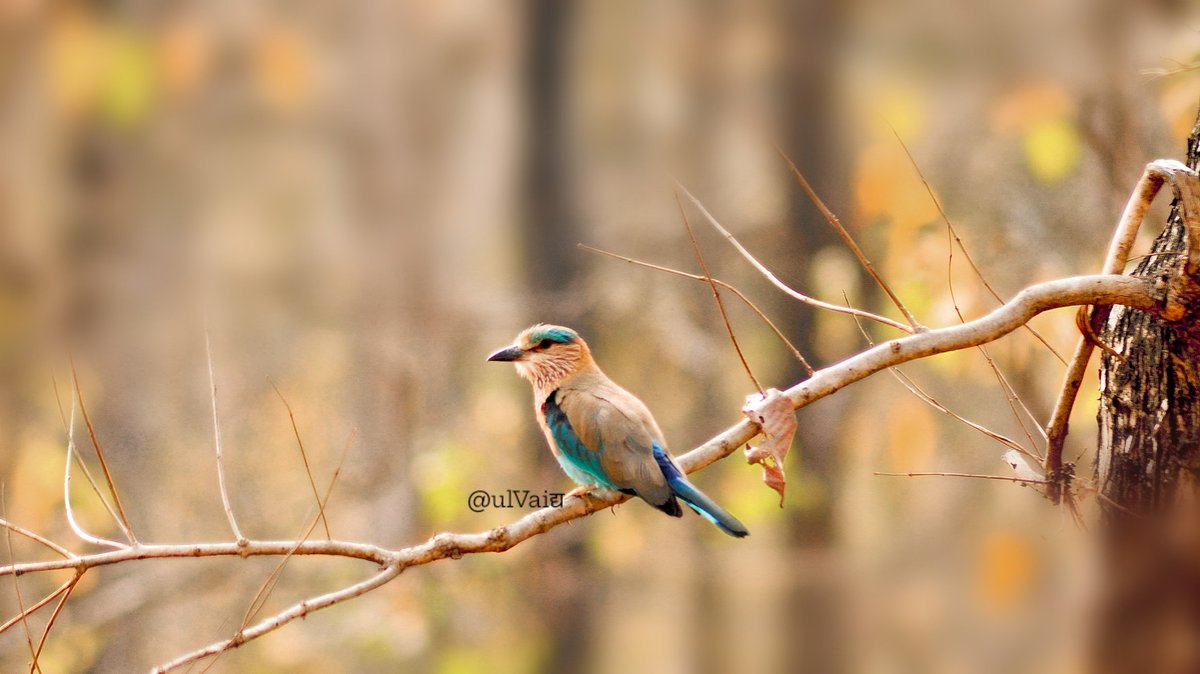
(71, 453)
(122, 519)
(1109, 289)
(953, 233)
(304, 457)
(728, 286)
(33, 609)
(264, 592)
(770, 276)
(920, 393)
(1106, 289)
(975, 476)
(23, 615)
(68, 587)
(212, 382)
(837, 225)
(716, 293)
(36, 537)
(1010, 394)
(141, 551)
(278, 620)
(1183, 179)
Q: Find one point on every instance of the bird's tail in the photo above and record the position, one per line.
(696, 499)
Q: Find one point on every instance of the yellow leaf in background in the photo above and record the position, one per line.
(75, 62)
(1052, 150)
(128, 87)
(903, 109)
(885, 184)
(1005, 571)
(285, 67)
(184, 56)
(911, 434)
(1029, 105)
(874, 184)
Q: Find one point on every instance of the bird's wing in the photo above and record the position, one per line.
(620, 434)
(579, 457)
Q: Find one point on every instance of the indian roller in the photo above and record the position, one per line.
(601, 434)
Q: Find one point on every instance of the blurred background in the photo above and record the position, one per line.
(366, 198)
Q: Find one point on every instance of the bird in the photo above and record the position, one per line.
(602, 435)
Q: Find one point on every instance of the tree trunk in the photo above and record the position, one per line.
(1147, 474)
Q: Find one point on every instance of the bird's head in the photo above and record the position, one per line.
(546, 354)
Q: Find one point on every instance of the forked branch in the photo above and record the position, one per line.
(1186, 186)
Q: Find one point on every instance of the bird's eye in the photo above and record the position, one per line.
(545, 344)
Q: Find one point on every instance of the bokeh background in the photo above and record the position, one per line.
(365, 198)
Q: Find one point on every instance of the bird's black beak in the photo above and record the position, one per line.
(506, 355)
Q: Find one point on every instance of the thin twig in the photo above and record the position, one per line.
(953, 239)
(34, 608)
(858, 253)
(212, 381)
(728, 286)
(36, 537)
(770, 276)
(1135, 258)
(273, 623)
(961, 246)
(716, 294)
(1005, 478)
(17, 584)
(264, 591)
(304, 457)
(82, 533)
(920, 393)
(70, 587)
(122, 520)
(83, 469)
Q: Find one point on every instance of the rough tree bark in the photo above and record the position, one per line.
(1148, 472)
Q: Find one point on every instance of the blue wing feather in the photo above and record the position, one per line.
(696, 499)
(580, 462)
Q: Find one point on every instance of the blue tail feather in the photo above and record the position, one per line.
(696, 499)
